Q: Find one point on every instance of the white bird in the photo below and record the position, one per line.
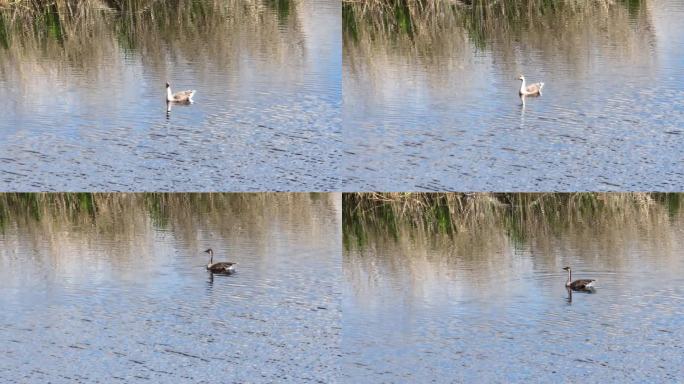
(179, 97)
(530, 90)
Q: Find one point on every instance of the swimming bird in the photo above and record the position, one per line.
(179, 97)
(221, 266)
(578, 285)
(530, 90)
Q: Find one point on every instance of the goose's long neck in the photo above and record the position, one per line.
(523, 88)
(169, 95)
(569, 276)
(211, 257)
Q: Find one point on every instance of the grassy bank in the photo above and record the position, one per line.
(520, 215)
(424, 28)
(76, 24)
(478, 17)
(123, 211)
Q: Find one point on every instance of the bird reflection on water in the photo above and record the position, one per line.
(568, 299)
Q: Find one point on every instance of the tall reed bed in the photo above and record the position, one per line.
(520, 215)
(105, 209)
(134, 23)
(413, 16)
(423, 27)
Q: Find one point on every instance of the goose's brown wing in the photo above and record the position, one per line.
(222, 267)
(225, 264)
(581, 284)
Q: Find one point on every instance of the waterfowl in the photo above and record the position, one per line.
(530, 90)
(219, 267)
(578, 285)
(179, 97)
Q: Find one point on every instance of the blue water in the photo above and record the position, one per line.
(90, 115)
(123, 296)
(481, 307)
(442, 113)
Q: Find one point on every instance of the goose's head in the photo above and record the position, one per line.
(566, 268)
(211, 257)
(168, 85)
(521, 77)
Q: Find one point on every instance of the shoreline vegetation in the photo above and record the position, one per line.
(72, 10)
(520, 215)
(81, 23)
(414, 17)
(65, 19)
(94, 209)
(422, 29)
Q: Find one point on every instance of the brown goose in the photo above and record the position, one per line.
(578, 285)
(530, 90)
(179, 97)
(219, 267)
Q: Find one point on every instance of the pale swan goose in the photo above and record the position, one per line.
(179, 97)
(578, 285)
(221, 266)
(530, 90)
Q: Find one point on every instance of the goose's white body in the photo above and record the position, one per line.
(530, 90)
(179, 97)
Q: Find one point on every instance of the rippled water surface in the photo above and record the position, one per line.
(124, 296)
(485, 307)
(433, 105)
(83, 109)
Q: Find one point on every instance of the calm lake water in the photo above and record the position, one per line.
(437, 108)
(85, 110)
(482, 307)
(125, 297)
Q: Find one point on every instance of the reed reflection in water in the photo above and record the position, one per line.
(82, 85)
(482, 298)
(112, 287)
(431, 102)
